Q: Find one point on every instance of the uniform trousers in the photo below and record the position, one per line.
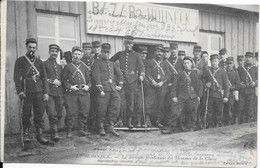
(54, 107)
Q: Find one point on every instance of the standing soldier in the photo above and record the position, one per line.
(54, 106)
(179, 63)
(186, 92)
(77, 82)
(217, 82)
(234, 82)
(96, 49)
(158, 74)
(248, 82)
(205, 57)
(202, 66)
(32, 88)
(222, 57)
(130, 63)
(87, 58)
(104, 72)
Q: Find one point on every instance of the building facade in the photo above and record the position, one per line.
(72, 23)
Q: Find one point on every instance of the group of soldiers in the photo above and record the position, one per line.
(166, 89)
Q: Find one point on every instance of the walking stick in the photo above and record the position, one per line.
(21, 120)
(142, 91)
(206, 108)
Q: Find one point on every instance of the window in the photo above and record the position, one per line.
(61, 30)
(211, 42)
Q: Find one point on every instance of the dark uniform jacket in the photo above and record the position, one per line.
(187, 85)
(24, 73)
(130, 64)
(173, 70)
(179, 65)
(53, 71)
(157, 71)
(76, 76)
(88, 61)
(221, 76)
(201, 65)
(244, 78)
(104, 72)
(234, 79)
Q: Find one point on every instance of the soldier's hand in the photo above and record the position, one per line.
(232, 88)
(199, 99)
(118, 88)
(21, 95)
(208, 85)
(56, 82)
(102, 93)
(74, 87)
(242, 84)
(175, 100)
(141, 78)
(154, 83)
(252, 84)
(225, 100)
(45, 97)
(160, 84)
(85, 87)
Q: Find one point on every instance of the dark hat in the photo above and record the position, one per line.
(181, 52)
(249, 54)
(106, 47)
(142, 49)
(86, 45)
(95, 44)
(214, 56)
(166, 49)
(76, 48)
(131, 38)
(173, 45)
(67, 55)
(222, 51)
(31, 40)
(197, 48)
(256, 54)
(54, 46)
(188, 58)
(159, 47)
(240, 57)
(229, 59)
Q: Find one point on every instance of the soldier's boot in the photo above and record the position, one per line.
(69, 134)
(237, 121)
(147, 121)
(168, 130)
(87, 130)
(54, 135)
(101, 129)
(82, 132)
(219, 124)
(138, 125)
(26, 135)
(40, 138)
(119, 123)
(111, 130)
(130, 125)
(158, 123)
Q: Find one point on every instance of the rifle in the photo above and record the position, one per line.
(21, 114)
(216, 82)
(206, 108)
(142, 91)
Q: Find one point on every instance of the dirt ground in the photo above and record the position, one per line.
(226, 146)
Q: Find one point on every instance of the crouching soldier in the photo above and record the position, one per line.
(77, 83)
(187, 89)
(217, 82)
(32, 88)
(55, 104)
(108, 100)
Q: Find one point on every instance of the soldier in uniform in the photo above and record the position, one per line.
(222, 57)
(77, 82)
(130, 63)
(104, 72)
(96, 49)
(187, 90)
(87, 58)
(217, 82)
(202, 66)
(31, 85)
(158, 74)
(248, 82)
(234, 82)
(173, 58)
(205, 57)
(54, 106)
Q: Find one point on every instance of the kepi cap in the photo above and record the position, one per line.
(229, 59)
(166, 49)
(95, 44)
(222, 51)
(249, 54)
(188, 58)
(197, 48)
(181, 52)
(142, 49)
(31, 40)
(76, 48)
(173, 45)
(86, 45)
(159, 47)
(105, 47)
(214, 56)
(240, 57)
(54, 46)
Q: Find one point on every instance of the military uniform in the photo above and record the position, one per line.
(30, 79)
(248, 74)
(218, 90)
(157, 70)
(229, 107)
(130, 63)
(78, 102)
(54, 106)
(104, 72)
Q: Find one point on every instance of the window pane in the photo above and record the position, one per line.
(215, 42)
(204, 42)
(67, 28)
(67, 45)
(43, 47)
(45, 26)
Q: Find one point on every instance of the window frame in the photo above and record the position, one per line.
(209, 36)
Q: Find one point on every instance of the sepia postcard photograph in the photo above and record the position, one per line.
(129, 83)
